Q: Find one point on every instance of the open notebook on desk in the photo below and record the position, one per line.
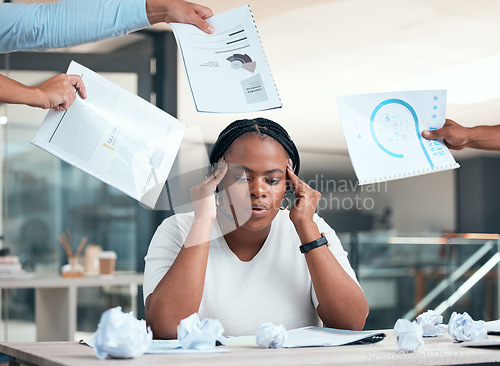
(164, 346)
(325, 337)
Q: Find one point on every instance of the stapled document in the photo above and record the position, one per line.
(115, 136)
(383, 134)
(227, 70)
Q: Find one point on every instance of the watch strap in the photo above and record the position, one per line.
(304, 248)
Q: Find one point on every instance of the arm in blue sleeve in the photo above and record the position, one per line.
(68, 22)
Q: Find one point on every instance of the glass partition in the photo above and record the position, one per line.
(403, 276)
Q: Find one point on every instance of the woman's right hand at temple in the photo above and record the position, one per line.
(202, 195)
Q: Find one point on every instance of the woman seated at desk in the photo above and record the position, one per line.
(236, 258)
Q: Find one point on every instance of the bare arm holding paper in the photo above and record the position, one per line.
(458, 137)
(383, 132)
(115, 136)
(57, 93)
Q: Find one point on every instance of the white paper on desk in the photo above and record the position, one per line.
(115, 136)
(492, 327)
(383, 134)
(325, 337)
(227, 71)
(164, 346)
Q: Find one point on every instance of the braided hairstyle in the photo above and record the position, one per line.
(263, 127)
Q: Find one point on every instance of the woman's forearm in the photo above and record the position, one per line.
(179, 293)
(342, 303)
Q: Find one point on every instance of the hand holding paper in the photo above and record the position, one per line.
(115, 136)
(227, 70)
(383, 134)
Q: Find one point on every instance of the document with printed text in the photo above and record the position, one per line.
(227, 70)
(383, 132)
(115, 136)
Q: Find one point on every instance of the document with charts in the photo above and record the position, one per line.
(115, 136)
(383, 134)
(227, 70)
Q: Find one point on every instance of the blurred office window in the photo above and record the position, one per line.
(44, 196)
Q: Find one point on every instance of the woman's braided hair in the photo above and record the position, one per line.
(261, 126)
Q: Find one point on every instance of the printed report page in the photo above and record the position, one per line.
(227, 70)
(115, 136)
(383, 134)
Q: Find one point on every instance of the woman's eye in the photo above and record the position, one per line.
(273, 181)
(242, 178)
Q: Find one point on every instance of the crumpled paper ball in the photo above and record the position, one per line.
(200, 335)
(462, 328)
(121, 335)
(271, 336)
(431, 323)
(409, 335)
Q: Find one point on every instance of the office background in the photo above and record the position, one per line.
(317, 51)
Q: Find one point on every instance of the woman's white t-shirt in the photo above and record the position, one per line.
(274, 286)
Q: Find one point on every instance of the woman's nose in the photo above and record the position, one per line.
(258, 189)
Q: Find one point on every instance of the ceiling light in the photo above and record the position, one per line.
(3, 120)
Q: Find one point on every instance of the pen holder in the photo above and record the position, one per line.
(73, 269)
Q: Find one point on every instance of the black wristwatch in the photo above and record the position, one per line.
(304, 248)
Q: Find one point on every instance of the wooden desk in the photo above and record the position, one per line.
(56, 300)
(435, 351)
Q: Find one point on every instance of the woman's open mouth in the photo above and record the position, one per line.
(259, 210)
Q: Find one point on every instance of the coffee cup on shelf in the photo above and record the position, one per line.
(107, 261)
(91, 261)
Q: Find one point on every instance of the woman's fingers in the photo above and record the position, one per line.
(202, 195)
(291, 175)
(221, 171)
(298, 185)
(218, 174)
(304, 194)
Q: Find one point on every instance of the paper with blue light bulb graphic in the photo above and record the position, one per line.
(383, 134)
